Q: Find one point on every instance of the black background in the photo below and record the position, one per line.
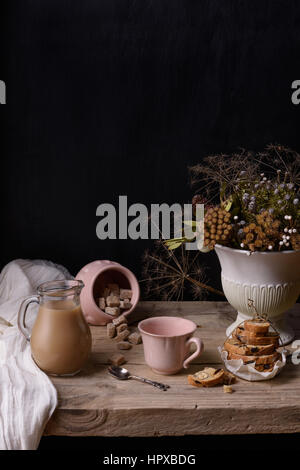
(112, 97)
(116, 97)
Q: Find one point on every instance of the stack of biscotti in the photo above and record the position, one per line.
(254, 343)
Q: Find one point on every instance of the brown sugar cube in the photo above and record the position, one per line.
(135, 338)
(125, 294)
(105, 292)
(113, 301)
(102, 303)
(111, 330)
(125, 304)
(121, 328)
(227, 389)
(123, 335)
(114, 289)
(121, 319)
(112, 311)
(117, 359)
(124, 345)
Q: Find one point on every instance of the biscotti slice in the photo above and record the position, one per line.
(208, 377)
(256, 326)
(249, 338)
(267, 359)
(235, 346)
(265, 367)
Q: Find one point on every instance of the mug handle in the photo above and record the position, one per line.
(200, 347)
(22, 314)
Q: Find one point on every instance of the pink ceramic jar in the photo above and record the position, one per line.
(96, 276)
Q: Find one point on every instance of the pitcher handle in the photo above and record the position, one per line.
(200, 347)
(22, 314)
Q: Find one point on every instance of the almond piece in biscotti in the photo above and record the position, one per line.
(258, 327)
(235, 346)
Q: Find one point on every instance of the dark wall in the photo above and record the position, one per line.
(116, 97)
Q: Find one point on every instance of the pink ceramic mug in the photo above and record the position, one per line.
(167, 343)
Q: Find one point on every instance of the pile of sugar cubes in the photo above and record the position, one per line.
(113, 299)
(119, 331)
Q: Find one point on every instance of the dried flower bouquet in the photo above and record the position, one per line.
(251, 200)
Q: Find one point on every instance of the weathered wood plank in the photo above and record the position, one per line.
(170, 422)
(93, 403)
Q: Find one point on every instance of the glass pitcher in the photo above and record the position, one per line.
(60, 339)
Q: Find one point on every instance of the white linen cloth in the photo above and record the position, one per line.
(27, 396)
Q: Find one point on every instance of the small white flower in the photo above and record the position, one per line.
(262, 174)
(286, 217)
(281, 243)
(270, 247)
(287, 244)
(235, 217)
(290, 230)
(294, 230)
(288, 237)
(286, 229)
(242, 245)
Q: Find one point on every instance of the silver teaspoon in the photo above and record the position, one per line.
(123, 374)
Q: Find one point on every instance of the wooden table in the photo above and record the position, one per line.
(94, 404)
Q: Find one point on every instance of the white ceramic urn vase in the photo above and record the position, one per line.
(270, 279)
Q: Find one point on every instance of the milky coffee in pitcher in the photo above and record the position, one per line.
(60, 339)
